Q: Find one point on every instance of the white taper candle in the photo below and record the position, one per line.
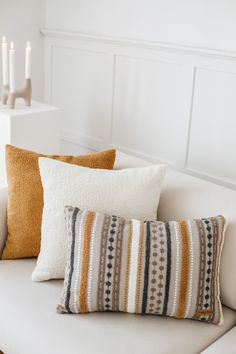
(12, 68)
(28, 61)
(4, 62)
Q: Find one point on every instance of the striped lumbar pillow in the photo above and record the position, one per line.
(152, 267)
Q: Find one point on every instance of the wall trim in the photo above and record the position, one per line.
(174, 47)
(82, 139)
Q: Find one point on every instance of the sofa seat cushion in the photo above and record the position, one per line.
(225, 344)
(29, 323)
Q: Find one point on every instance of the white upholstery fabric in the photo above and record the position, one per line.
(3, 218)
(29, 323)
(226, 344)
(133, 193)
(188, 197)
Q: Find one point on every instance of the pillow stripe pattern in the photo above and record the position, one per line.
(145, 267)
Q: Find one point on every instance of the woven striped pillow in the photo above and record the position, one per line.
(145, 267)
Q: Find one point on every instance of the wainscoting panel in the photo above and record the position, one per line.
(81, 85)
(143, 119)
(212, 144)
(162, 102)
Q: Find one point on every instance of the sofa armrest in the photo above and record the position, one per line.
(3, 218)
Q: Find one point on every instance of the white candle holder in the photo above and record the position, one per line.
(5, 93)
(24, 92)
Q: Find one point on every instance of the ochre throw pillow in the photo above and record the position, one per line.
(147, 267)
(25, 196)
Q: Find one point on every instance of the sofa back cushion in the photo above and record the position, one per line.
(185, 196)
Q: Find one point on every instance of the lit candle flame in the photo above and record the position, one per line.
(28, 44)
(4, 39)
(12, 45)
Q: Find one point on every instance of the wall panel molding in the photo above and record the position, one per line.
(163, 102)
(214, 52)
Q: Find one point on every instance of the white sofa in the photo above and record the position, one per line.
(29, 323)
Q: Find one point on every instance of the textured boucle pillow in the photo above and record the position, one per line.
(132, 192)
(25, 197)
(145, 267)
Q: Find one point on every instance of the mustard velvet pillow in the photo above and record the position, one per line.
(25, 196)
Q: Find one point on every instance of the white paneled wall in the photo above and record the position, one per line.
(166, 103)
(144, 121)
(206, 23)
(81, 85)
(212, 144)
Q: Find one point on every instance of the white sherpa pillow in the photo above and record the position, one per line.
(132, 193)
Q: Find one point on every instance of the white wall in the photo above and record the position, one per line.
(119, 85)
(21, 21)
(165, 103)
(162, 103)
(207, 23)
